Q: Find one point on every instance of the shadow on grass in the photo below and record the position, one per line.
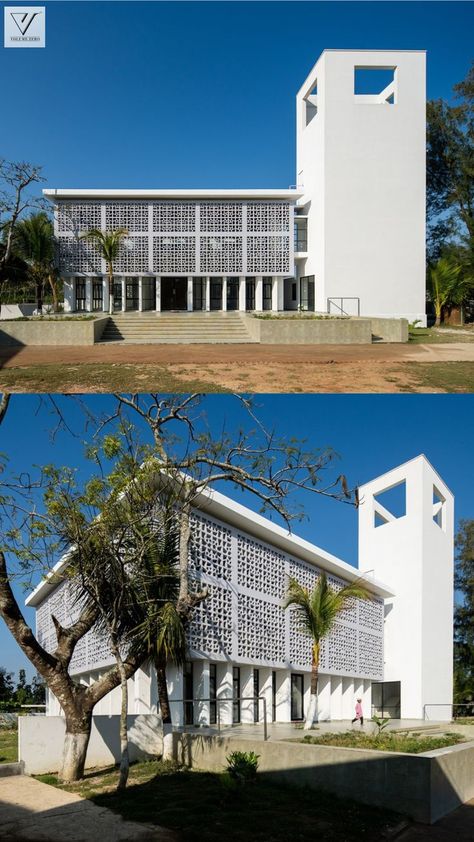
(202, 806)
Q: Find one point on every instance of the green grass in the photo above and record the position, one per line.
(202, 807)
(8, 745)
(435, 336)
(97, 377)
(443, 377)
(410, 742)
(464, 720)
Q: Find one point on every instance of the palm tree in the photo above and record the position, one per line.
(108, 245)
(446, 285)
(160, 631)
(34, 243)
(316, 614)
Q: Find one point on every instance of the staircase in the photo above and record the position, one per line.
(185, 328)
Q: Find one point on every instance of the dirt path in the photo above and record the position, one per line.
(250, 368)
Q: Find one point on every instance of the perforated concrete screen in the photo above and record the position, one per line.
(243, 619)
(179, 237)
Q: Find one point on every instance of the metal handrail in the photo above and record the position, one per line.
(227, 700)
(342, 299)
(469, 705)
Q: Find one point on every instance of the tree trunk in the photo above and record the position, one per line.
(312, 715)
(39, 296)
(124, 756)
(76, 741)
(165, 710)
(111, 290)
(54, 292)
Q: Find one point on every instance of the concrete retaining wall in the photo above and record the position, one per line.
(52, 331)
(424, 786)
(343, 331)
(40, 741)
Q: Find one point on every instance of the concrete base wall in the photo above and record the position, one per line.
(343, 331)
(52, 331)
(41, 738)
(424, 786)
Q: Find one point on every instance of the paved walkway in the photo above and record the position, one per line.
(31, 811)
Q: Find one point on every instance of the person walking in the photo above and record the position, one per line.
(359, 713)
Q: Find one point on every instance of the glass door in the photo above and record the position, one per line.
(236, 695)
(80, 294)
(199, 294)
(297, 691)
(274, 695)
(188, 693)
(267, 293)
(216, 293)
(117, 295)
(97, 294)
(131, 294)
(250, 294)
(212, 694)
(232, 293)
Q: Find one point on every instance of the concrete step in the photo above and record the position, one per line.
(8, 769)
(183, 328)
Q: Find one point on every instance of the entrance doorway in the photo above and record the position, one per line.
(131, 294)
(297, 693)
(174, 293)
(386, 699)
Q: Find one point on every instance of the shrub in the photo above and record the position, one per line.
(242, 766)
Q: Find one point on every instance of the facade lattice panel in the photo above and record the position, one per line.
(242, 619)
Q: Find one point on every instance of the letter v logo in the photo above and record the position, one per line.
(24, 20)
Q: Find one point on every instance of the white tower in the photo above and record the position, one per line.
(361, 163)
(412, 550)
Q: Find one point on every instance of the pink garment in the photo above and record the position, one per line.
(358, 710)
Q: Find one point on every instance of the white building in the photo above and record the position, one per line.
(349, 237)
(394, 651)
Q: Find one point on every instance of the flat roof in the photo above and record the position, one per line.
(223, 508)
(71, 193)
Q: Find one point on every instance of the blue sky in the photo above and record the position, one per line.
(371, 433)
(180, 94)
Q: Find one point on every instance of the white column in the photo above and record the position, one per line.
(275, 282)
(224, 676)
(258, 293)
(283, 696)
(201, 691)
(140, 294)
(158, 294)
(242, 293)
(105, 294)
(336, 698)
(246, 690)
(348, 700)
(124, 299)
(207, 282)
(69, 294)
(224, 294)
(175, 693)
(142, 689)
(89, 295)
(367, 699)
(324, 698)
(280, 293)
(190, 294)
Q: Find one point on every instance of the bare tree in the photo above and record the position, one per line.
(16, 177)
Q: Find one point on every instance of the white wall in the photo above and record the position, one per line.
(415, 556)
(362, 166)
(40, 741)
